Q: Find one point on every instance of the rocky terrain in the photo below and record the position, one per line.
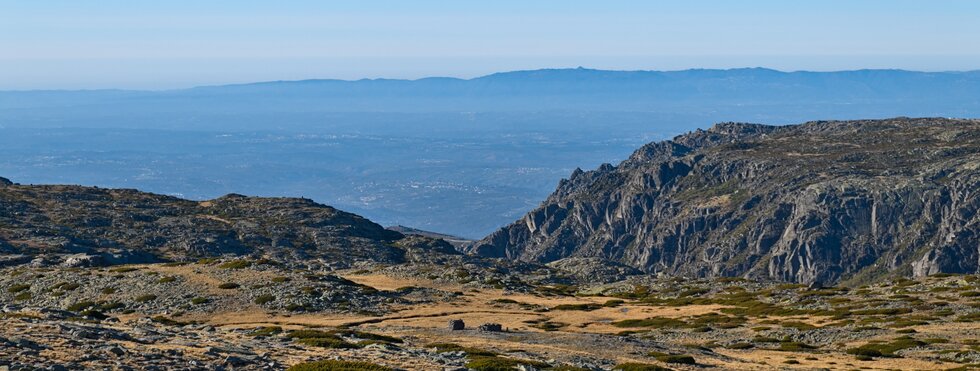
(246, 314)
(93, 226)
(817, 203)
(827, 245)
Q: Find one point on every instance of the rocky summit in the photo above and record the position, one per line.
(818, 203)
(93, 226)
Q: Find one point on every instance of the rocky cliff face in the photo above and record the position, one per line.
(821, 202)
(126, 226)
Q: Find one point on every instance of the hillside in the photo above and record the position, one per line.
(817, 203)
(117, 226)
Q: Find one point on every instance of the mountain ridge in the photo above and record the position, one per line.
(810, 203)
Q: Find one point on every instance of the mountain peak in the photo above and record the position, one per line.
(819, 202)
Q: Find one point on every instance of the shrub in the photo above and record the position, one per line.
(123, 269)
(264, 298)
(145, 298)
(613, 303)
(888, 349)
(91, 313)
(82, 305)
(207, 261)
(167, 279)
(229, 286)
(331, 365)
(280, 279)
(108, 290)
(200, 300)
(639, 367)
(308, 334)
(657, 322)
(494, 363)
(18, 288)
(327, 342)
(167, 321)
(583, 307)
(741, 346)
(236, 264)
(266, 331)
(368, 336)
(864, 352)
(793, 346)
(23, 296)
(675, 358)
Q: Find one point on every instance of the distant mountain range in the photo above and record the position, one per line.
(550, 89)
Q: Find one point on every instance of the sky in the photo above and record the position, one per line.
(137, 44)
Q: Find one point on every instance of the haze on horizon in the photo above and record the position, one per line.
(159, 45)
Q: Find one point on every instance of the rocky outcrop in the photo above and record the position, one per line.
(821, 202)
(94, 226)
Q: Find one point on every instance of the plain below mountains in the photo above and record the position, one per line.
(818, 203)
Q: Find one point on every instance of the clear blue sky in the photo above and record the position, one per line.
(176, 43)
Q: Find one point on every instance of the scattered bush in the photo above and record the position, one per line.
(331, 365)
(167, 321)
(236, 264)
(200, 300)
(793, 346)
(18, 288)
(145, 298)
(582, 307)
(327, 342)
(167, 279)
(82, 305)
(266, 331)
(264, 299)
(229, 286)
(639, 367)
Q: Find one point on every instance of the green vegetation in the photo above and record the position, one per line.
(266, 331)
(18, 288)
(145, 298)
(332, 365)
(327, 342)
(264, 299)
(229, 285)
(794, 346)
(639, 367)
(886, 349)
(200, 300)
(321, 339)
(655, 322)
(167, 279)
(167, 321)
(236, 264)
(582, 307)
(369, 336)
(673, 358)
(82, 305)
(23, 296)
(495, 363)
